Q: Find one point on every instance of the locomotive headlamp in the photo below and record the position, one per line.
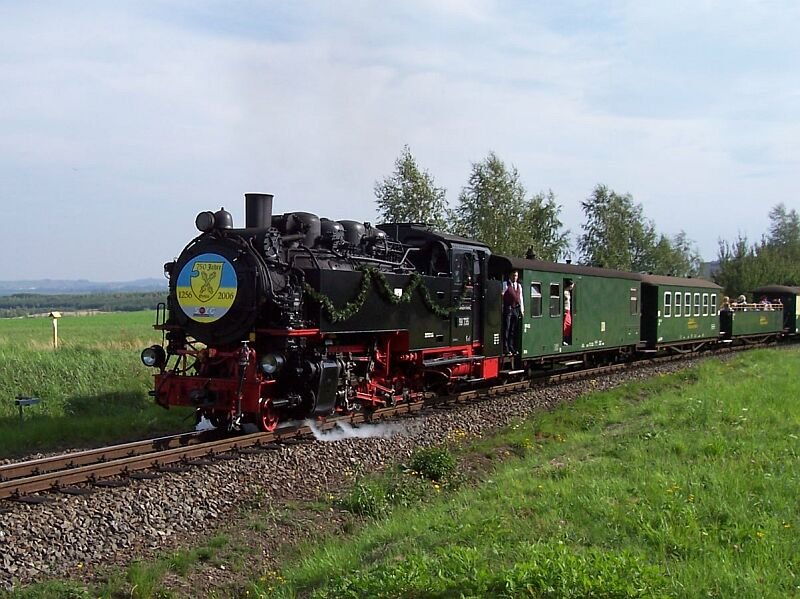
(272, 363)
(154, 356)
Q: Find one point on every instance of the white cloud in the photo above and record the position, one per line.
(121, 121)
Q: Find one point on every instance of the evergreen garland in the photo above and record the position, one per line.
(373, 276)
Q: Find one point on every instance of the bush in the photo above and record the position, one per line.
(434, 463)
(366, 499)
(557, 571)
(404, 490)
(547, 571)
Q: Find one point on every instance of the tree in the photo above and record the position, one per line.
(542, 227)
(493, 209)
(410, 195)
(775, 260)
(738, 266)
(490, 205)
(616, 234)
(784, 230)
(676, 257)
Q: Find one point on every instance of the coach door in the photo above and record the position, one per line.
(479, 266)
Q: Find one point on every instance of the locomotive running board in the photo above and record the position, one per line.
(456, 360)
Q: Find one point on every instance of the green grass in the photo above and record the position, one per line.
(93, 387)
(683, 486)
(680, 486)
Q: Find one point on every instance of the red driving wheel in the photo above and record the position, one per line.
(269, 416)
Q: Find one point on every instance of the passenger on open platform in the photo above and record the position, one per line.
(741, 302)
(726, 304)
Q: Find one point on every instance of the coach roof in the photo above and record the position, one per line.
(505, 264)
(777, 290)
(678, 282)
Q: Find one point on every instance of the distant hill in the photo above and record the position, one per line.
(63, 287)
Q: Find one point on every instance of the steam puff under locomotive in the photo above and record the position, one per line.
(295, 316)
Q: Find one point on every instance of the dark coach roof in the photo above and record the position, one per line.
(778, 289)
(505, 264)
(678, 281)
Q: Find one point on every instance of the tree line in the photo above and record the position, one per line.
(774, 260)
(25, 304)
(495, 207)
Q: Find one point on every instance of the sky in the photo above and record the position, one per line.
(120, 121)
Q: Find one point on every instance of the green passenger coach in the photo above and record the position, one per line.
(605, 309)
(679, 311)
(789, 300)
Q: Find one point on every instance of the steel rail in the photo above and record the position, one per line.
(100, 455)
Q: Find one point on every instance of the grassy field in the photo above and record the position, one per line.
(681, 486)
(684, 486)
(93, 387)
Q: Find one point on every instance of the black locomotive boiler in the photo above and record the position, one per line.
(295, 316)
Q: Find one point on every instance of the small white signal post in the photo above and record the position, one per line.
(54, 316)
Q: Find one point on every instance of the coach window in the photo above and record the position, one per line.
(555, 299)
(714, 306)
(705, 304)
(687, 304)
(634, 300)
(667, 304)
(697, 304)
(536, 300)
(678, 298)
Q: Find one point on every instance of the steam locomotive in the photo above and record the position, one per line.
(296, 316)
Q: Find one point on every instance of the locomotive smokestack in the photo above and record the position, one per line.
(258, 210)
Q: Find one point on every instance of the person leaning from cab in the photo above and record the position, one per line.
(513, 310)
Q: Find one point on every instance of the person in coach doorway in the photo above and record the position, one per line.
(513, 310)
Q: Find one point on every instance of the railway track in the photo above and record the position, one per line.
(79, 472)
